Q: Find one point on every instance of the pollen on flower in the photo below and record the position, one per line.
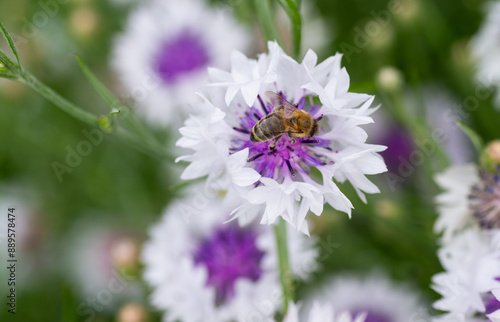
(484, 199)
(289, 157)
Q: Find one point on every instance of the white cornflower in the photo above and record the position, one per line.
(453, 203)
(486, 48)
(376, 296)
(471, 198)
(296, 173)
(320, 313)
(470, 219)
(163, 55)
(472, 267)
(202, 269)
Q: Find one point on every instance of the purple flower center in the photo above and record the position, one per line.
(484, 199)
(373, 316)
(180, 56)
(229, 254)
(290, 156)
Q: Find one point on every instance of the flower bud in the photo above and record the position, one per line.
(125, 252)
(490, 159)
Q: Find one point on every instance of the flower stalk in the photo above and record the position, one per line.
(292, 9)
(266, 20)
(135, 134)
(58, 100)
(265, 17)
(280, 232)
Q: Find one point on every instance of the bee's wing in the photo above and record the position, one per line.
(277, 100)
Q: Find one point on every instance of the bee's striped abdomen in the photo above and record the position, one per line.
(267, 128)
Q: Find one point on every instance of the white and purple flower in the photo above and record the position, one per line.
(471, 198)
(374, 296)
(470, 218)
(297, 175)
(202, 269)
(472, 270)
(484, 199)
(322, 312)
(163, 55)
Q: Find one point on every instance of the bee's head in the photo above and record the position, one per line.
(314, 128)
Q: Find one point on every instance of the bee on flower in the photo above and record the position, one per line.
(282, 135)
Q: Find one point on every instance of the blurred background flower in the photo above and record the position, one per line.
(374, 294)
(201, 269)
(163, 55)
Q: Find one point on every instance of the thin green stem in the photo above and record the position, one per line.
(57, 99)
(115, 105)
(9, 76)
(149, 147)
(265, 16)
(280, 231)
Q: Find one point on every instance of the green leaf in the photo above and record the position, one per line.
(5, 60)
(265, 17)
(10, 41)
(292, 9)
(473, 136)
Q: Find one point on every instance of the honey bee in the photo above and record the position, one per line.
(284, 119)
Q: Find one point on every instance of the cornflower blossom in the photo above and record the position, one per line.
(470, 252)
(202, 269)
(162, 56)
(293, 173)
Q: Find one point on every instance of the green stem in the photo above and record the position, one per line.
(265, 17)
(57, 99)
(292, 9)
(152, 148)
(280, 231)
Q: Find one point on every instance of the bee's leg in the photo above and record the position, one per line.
(273, 144)
(291, 137)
